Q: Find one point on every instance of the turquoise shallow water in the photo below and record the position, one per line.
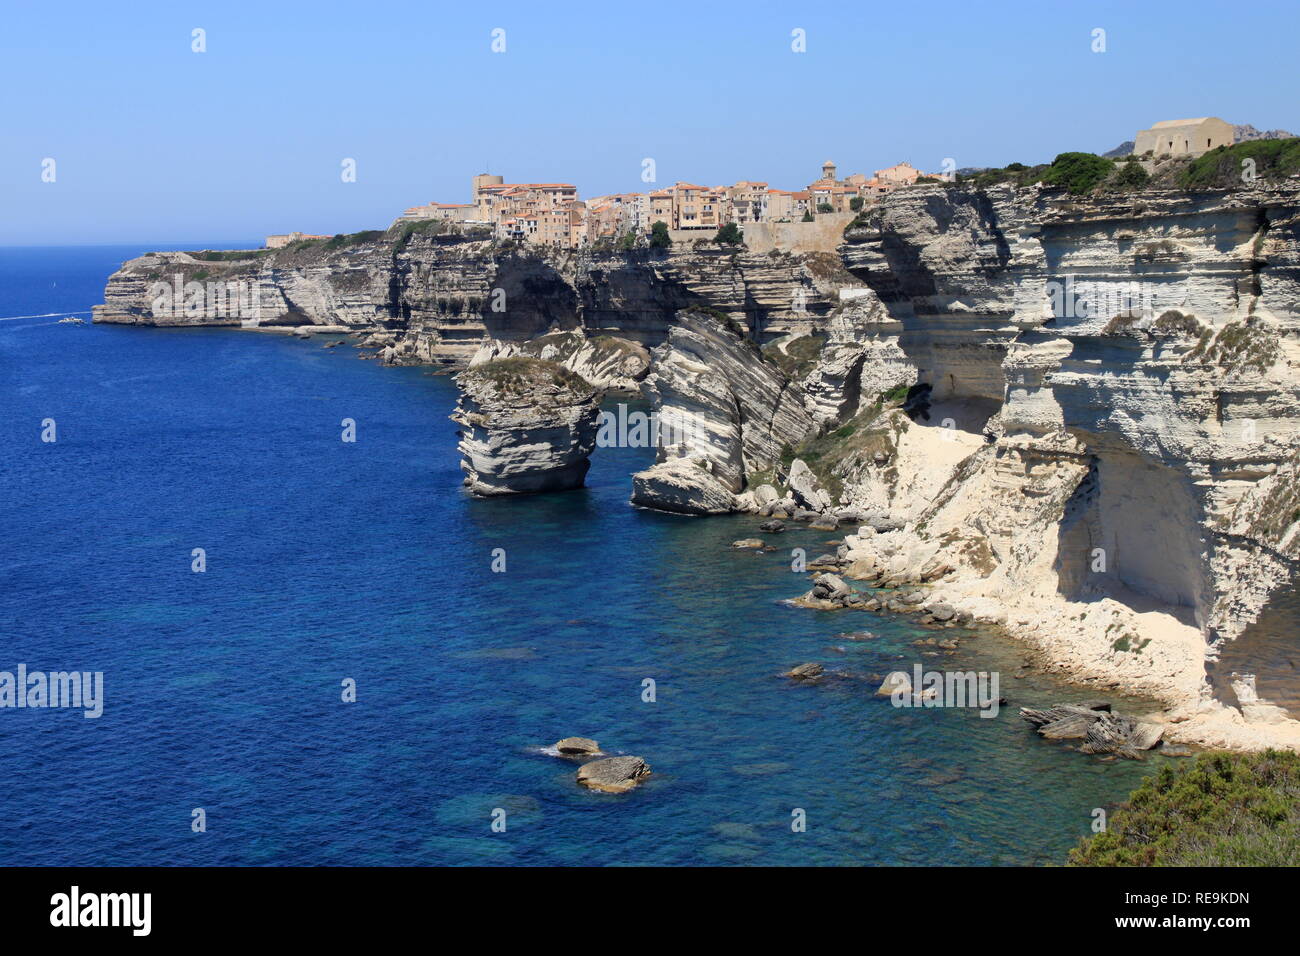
(329, 561)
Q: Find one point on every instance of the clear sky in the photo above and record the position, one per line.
(154, 142)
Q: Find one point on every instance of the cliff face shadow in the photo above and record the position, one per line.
(1131, 532)
(537, 299)
(1268, 650)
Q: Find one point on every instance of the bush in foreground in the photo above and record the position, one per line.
(1222, 809)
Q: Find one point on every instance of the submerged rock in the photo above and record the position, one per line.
(810, 671)
(897, 682)
(527, 425)
(613, 774)
(747, 544)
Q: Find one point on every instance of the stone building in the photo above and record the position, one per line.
(748, 201)
(903, 174)
(280, 241)
(449, 211)
(1186, 137)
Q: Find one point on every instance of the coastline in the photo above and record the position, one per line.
(1117, 491)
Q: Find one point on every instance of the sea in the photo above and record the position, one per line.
(324, 652)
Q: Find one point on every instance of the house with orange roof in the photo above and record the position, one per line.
(697, 207)
(748, 201)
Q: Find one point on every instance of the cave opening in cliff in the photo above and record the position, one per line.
(1131, 531)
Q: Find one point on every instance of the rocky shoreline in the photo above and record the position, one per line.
(1077, 418)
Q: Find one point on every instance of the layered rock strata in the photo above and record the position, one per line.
(1111, 422)
(441, 295)
(527, 425)
(722, 409)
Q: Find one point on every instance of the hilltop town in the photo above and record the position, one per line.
(552, 215)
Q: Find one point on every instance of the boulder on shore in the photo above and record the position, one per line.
(613, 774)
(806, 489)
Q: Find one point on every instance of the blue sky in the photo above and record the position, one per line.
(154, 142)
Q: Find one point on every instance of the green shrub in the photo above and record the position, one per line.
(1221, 809)
(1224, 166)
(1078, 172)
(1131, 176)
(659, 238)
(1017, 174)
(798, 356)
(353, 238)
(228, 255)
(896, 394)
(730, 235)
(406, 230)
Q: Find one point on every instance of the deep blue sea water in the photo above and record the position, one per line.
(328, 561)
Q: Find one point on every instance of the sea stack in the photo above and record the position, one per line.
(527, 425)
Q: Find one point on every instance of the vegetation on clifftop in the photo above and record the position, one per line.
(1221, 809)
(1226, 166)
(1079, 173)
(522, 373)
(795, 357)
(228, 255)
(659, 238)
(730, 235)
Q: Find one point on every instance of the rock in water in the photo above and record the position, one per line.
(810, 671)
(897, 682)
(941, 612)
(755, 544)
(527, 425)
(682, 486)
(830, 587)
(613, 774)
(1101, 731)
(577, 746)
